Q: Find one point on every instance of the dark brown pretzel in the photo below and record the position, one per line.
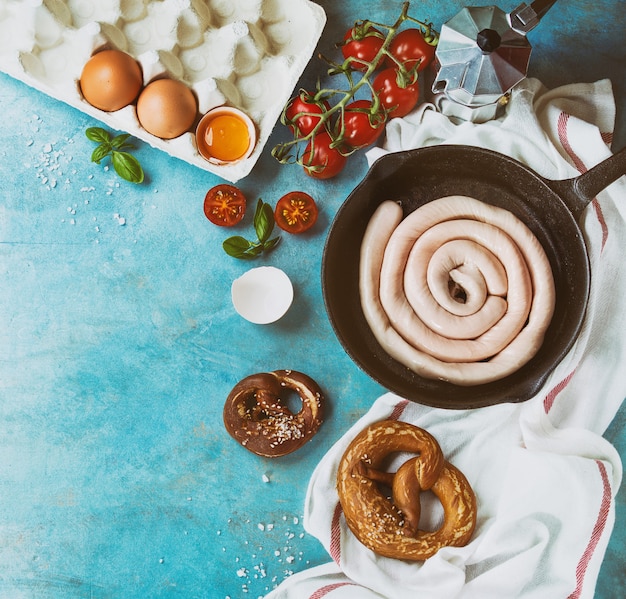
(389, 526)
(257, 417)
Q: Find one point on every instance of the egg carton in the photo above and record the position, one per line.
(243, 53)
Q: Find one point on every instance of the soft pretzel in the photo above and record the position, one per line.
(257, 416)
(390, 526)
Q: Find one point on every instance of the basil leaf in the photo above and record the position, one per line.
(240, 247)
(100, 152)
(98, 134)
(127, 166)
(124, 163)
(118, 141)
(263, 221)
(255, 250)
(257, 211)
(236, 246)
(271, 244)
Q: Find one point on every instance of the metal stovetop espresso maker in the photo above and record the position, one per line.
(482, 54)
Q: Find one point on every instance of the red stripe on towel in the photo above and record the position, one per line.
(398, 410)
(598, 529)
(605, 229)
(580, 166)
(335, 535)
(329, 588)
(563, 138)
(548, 402)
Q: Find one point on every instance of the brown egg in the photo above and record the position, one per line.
(166, 108)
(110, 80)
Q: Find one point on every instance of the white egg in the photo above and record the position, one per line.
(262, 295)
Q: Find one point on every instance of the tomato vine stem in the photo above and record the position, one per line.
(283, 151)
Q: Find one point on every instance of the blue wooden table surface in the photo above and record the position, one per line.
(119, 345)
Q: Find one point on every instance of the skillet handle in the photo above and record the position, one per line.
(578, 192)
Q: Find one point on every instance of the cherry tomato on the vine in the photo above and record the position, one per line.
(409, 47)
(398, 100)
(295, 212)
(224, 205)
(302, 113)
(361, 127)
(362, 43)
(319, 160)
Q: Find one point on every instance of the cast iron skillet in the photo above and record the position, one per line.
(551, 209)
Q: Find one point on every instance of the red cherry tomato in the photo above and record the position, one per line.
(398, 100)
(295, 212)
(362, 43)
(224, 205)
(361, 128)
(410, 47)
(301, 113)
(320, 160)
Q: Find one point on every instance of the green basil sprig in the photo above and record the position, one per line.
(240, 247)
(124, 163)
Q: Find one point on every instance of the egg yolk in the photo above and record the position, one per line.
(227, 137)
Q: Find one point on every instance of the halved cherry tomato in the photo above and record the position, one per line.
(295, 212)
(398, 100)
(361, 127)
(362, 43)
(224, 205)
(320, 160)
(301, 113)
(410, 47)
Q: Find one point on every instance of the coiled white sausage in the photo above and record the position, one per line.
(461, 264)
(385, 253)
(425, 324)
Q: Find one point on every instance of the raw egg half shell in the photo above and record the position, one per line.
(262, 295)
(225, 135)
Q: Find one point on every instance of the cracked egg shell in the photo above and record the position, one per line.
(166, 108)
(111, 80)
(262, 295)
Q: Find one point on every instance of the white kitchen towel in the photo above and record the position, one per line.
(544, 477)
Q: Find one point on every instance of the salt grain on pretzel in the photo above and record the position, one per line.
(256, 414)
(389, 526)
